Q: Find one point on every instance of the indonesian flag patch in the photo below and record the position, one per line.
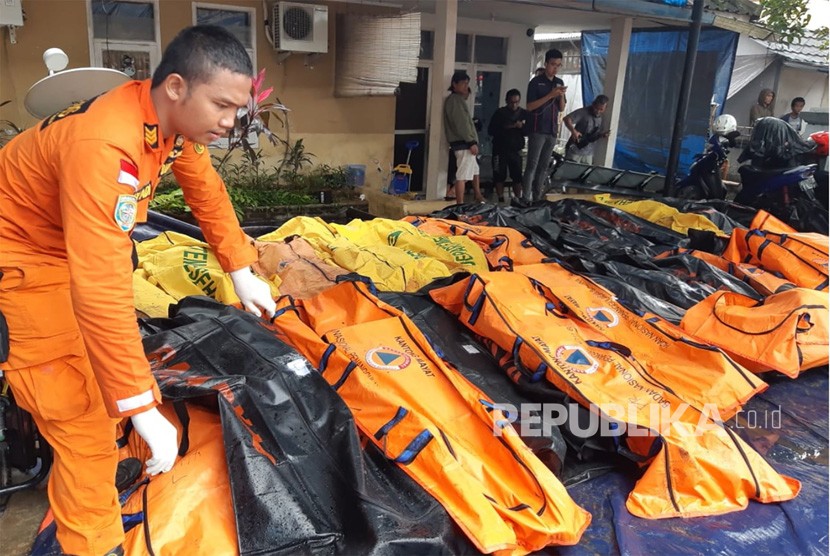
(128, 175)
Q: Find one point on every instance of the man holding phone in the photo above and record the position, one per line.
(507, 129)
(545, 101)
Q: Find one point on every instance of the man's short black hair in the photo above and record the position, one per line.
(552, 54)
(512, 93)
(460, 75)
(600, 99)
(797, 99)
(198, 52)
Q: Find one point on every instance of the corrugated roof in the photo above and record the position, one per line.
(809, 51)
(738, 7)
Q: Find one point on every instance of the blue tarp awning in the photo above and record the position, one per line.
(652, 89)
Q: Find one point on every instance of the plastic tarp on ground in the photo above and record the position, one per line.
(648, 107)
(301, 480)
(786, 424)
(614, 248)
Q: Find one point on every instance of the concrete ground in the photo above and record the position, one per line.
(21, 519)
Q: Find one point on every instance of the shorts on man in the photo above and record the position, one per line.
(467, 165)
(504, 164)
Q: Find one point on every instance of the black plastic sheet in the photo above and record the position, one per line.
(655, 282)
(535, 222)
(699, 273)
(618, 250)
(158, 223)
(775, 144)
(324, 494)
(457, 346)
(636, 299)
(610, 222)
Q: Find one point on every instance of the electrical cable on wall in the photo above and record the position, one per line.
(106, 28)
(267, 22)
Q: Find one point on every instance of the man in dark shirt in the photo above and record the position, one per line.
(545, 100)
(584, 124)
(507, 129)
(794, 116)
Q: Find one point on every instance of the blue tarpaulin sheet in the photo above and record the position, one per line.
(652, 90)
(788, 425)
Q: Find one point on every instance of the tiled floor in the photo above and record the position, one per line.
(20, 520)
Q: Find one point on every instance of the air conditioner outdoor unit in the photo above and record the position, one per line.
(300, 27)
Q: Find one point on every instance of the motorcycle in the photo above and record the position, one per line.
(780, 177)
(21, 446)
(705, 179)
(770, 187)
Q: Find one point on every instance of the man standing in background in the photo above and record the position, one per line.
(584, 124)
(462, 136)
(545, 100)
(762, 108)
(794, 116)
(507, 129)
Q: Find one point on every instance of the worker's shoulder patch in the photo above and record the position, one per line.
(151, 135)
(126, 209)
(72, 110)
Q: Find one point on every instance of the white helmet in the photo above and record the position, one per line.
(724, 124)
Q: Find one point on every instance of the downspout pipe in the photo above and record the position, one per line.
(683, 102)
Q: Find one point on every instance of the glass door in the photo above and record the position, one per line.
(411, 127)
(487, 99)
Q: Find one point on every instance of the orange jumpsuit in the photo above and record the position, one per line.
(71, 190)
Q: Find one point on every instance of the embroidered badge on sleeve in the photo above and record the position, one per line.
(126, 209)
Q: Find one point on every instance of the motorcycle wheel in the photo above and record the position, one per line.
(691, 192)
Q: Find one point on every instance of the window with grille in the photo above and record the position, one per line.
(124, 36)
(239, 21)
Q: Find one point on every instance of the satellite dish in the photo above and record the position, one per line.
(58, 90)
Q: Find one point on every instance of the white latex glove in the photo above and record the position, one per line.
(161, 436)
(253, 292)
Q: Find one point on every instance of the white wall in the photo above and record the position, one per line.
(748, 46)
(519, 47)
(795, 82)
(740, 103)
(787, 82)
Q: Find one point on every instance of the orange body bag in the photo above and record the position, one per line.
(444, 432)
(700, 467)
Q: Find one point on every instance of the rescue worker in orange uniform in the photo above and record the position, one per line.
(71, 190)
